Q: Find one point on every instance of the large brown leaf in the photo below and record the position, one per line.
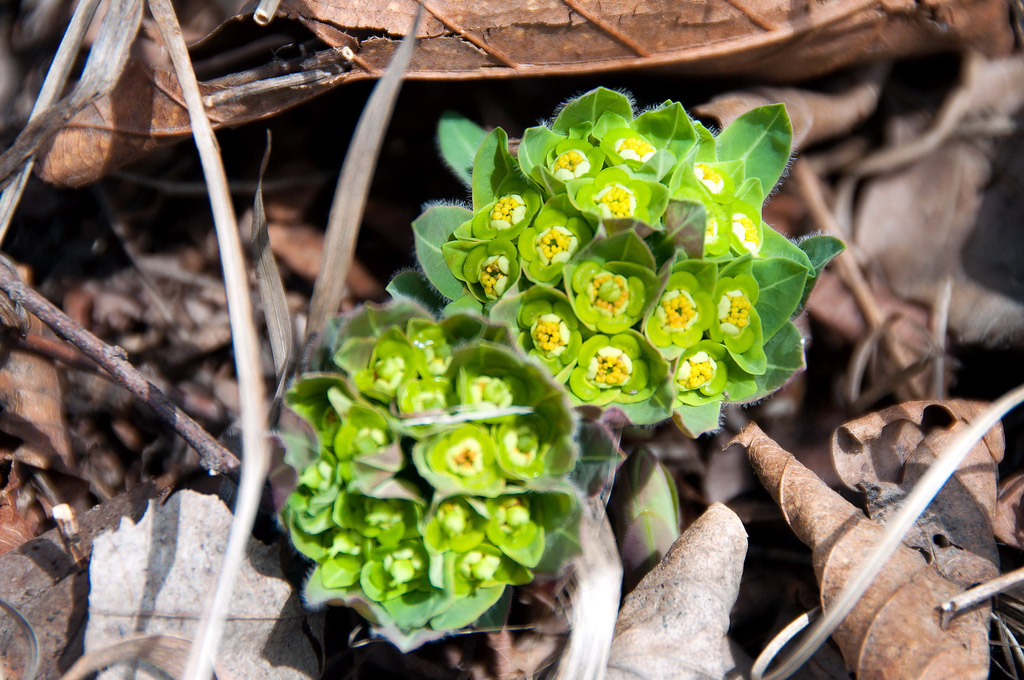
(766, 39)
(894, 630)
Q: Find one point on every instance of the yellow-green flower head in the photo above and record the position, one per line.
(684, 311)
(344, 558)
(570, 164)
(557, 234)
(611, 297)
(489, 392)
(494, 276)
(425, 395)
(712, 179)
(434, 352)
(736, 322)
(612, 370)
(701, 374)
(454, 526)
(609, 367)
(386, 520)
(634, 148)
(393, 571)
(507, 210)
(555, 245)
(489, 268)
(747, 231)
(460, 461)
(550, 334)
(485, 567)
(615, 200)
(514, 529)
(391, 364)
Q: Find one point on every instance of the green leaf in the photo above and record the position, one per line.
(623, 247)
(781, 283)
(431, 231)
(763, 139)
(751, 192)
(589, 107)
(492, 164)
(785, 353)
(466, 610)
(668, 127)
(463, 303)
(697, 420)
(777, 245)
(821, 249)
(533, 147)
(685, 229)
(416, 286)
(458, 139)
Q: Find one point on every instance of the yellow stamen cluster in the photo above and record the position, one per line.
(556, 244)
(609, 292)
(746, 232)
(494, 276)
(709, 177)
(734, 312)
(610, 367)
(570, 165)
(696, 371)
(634, 148)
(678, 309)
(509, 210)
(615, 200)
(550, 334)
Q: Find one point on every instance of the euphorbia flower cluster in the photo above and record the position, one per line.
(436, 473)
(615, 244)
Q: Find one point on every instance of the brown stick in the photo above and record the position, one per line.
(212, 455)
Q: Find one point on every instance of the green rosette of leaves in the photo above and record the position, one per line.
(625, 370)
(611, 283)
(684, 311)
(460, 461)
(488, 268)
(556, 235)
(454, 525)
(617, 195)
(546, 328)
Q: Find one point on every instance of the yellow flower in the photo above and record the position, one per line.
(570, 165)
(634, 148)
(746, 231)
(734, 312)
(556, 244)
(615, 200)
(494, 276)
(696, 371)
(507, 211)
(609, 293)
(550, 334)
(610, 367)
(677, 310)
(712, 179)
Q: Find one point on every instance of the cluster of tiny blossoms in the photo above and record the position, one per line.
(437, 472)
(628, 253)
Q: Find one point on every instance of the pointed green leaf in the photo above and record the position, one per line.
(785, 353)
(763, 139)
(416, 286)
(431, 231)
(781, 283)
(821, 249)
(459, 138)
(589, 107)
(492, 164)
(697, 420)
(777, 245)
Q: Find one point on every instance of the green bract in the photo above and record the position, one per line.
(684, 311)
(514, 206)
(547, 327)
(392, 363)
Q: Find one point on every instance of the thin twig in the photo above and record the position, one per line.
(939, 326)
(969, 598)
(251, 389)
(212, 455)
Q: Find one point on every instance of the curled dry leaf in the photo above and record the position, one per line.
(1008, 521)
(674, 625)
(816, 116)
(894, 629)
(767, 39)
(885, 453)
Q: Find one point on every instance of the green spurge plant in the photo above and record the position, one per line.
(616, 260)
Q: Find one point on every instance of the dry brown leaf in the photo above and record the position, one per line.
(30, 397)
(767, 39)
(894, 630)
(885, 453)
(1008, 522)
(816, 116)
(675, 624)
